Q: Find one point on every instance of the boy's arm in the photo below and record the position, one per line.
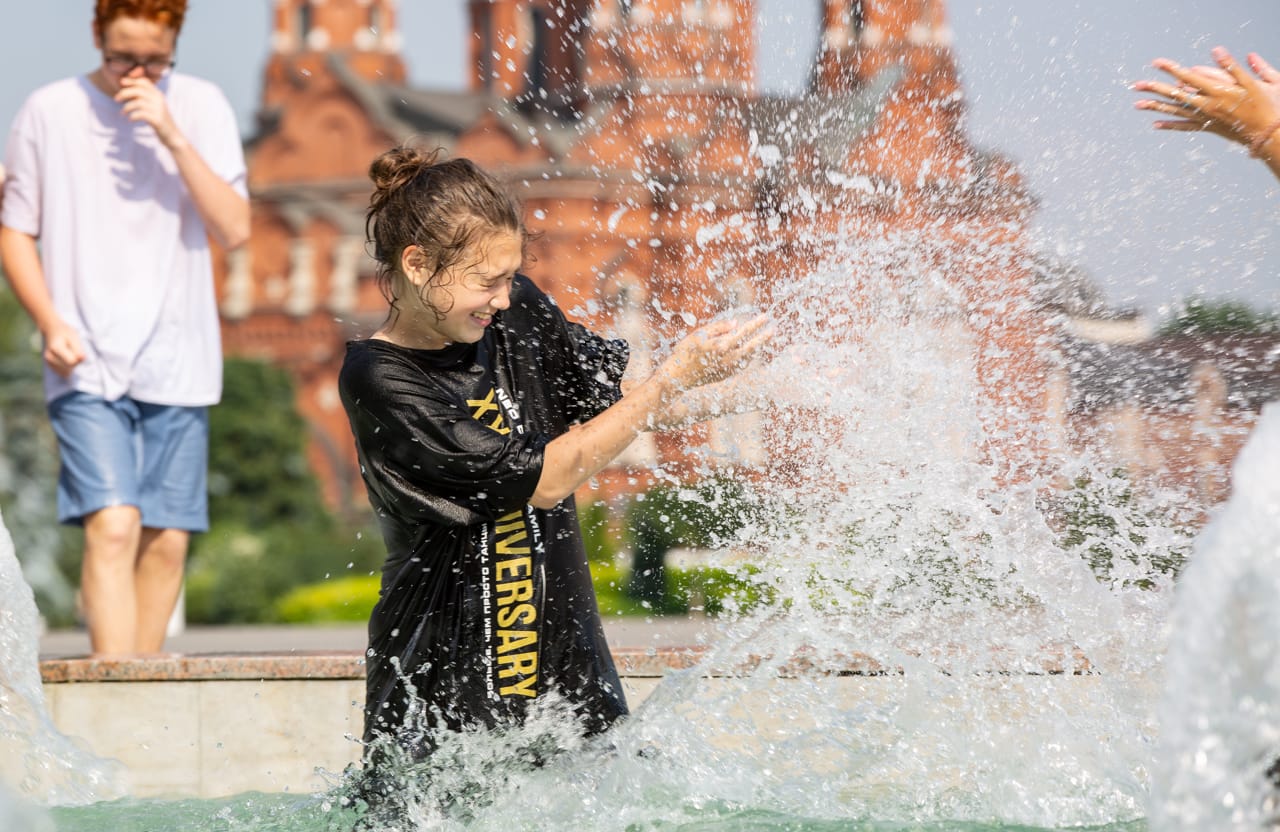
(63, 349)
(224, 211)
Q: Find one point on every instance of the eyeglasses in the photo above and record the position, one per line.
(155, 66)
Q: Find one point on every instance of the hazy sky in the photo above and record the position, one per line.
(1153, 216)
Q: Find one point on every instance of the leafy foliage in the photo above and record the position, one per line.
(49, 553)
(346, 599)
(711, 590)
(708, 515)
(943, 559)
(1125, 537)
(599, 538)
(352, 597)
(1200, 316)
(258, 470)
(270, 529)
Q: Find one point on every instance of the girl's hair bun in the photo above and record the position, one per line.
(398, 167)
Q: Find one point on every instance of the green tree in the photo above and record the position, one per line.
(1201, 316)
(258, 470)
(29, 468)
(1126, 536)
(708, 515)
(270, 528)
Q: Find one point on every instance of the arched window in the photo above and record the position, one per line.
(538, 55)
(857, 18)
(486, 51)
(305, 21)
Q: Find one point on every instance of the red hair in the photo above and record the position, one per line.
(167, 13)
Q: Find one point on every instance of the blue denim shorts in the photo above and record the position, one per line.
(126, 452)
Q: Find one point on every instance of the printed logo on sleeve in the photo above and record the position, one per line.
(498, 411)
(481, 408)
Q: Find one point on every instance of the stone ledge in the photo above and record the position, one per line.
(632, 662)
(206, 667)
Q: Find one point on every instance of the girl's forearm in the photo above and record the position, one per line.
(577, 456)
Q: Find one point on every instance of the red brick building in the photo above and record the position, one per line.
(631, 130)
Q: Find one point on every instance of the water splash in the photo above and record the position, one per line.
(1221, 712)
(933, 654)
(37, 763)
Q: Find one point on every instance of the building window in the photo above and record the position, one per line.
(305, 22)
(487, 48)
(537, 70)
(857, 18)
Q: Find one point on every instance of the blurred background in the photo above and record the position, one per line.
(1144, 250)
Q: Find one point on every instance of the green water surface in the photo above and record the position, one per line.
(292, 813)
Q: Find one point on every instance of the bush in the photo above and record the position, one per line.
(709, 590)
(716, 591)
(243, 570)
(610, 581)
(351, 598)
(598, 536)
(340, 600)
(241, 573)
(259, 476)
(1126, 535)
(270, 529)
(707, 515)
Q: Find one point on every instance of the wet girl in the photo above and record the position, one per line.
(478, 410)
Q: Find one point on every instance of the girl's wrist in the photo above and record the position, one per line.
(1263, 138)
(665, 389)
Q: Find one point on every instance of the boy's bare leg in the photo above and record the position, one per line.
(111, 537)
(158, 580)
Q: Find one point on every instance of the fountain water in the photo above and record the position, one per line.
(36, 761)
(996, 680)
(1221, 713)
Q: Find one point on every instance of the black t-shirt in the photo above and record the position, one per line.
(486, 602)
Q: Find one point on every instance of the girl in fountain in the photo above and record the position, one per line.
(477, 411)
(1226, 100)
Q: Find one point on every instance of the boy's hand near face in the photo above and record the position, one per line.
(143, 101)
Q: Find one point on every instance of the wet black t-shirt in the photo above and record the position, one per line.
(486, 602)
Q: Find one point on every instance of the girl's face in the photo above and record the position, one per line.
(468, 294)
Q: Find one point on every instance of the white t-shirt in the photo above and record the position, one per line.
(124, 251)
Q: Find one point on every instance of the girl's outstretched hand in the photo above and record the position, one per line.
(1226, 100)
(715, 352)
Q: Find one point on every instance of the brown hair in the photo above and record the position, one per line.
(444, 207)
(168, 13)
